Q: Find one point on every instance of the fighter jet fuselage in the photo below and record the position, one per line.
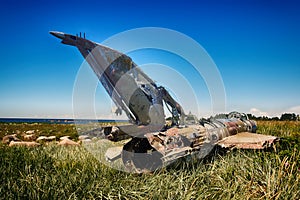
(142, 100)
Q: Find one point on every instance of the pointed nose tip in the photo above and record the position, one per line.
(58, 34)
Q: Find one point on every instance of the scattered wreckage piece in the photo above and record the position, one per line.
(8, 138)
(23, 143)
(246, 140)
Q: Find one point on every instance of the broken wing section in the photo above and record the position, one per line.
(246, 140)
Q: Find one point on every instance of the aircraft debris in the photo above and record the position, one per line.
(154, 144)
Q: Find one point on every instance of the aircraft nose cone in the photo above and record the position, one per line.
(58, 34)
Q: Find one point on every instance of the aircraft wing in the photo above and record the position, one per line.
(246, 140)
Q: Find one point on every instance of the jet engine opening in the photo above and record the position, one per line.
(139, 156)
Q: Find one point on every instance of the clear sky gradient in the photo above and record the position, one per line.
(255, 45)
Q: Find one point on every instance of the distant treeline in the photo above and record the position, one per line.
(283, 117)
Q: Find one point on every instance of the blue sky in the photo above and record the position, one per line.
(255, 45)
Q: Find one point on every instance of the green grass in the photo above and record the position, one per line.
(52, 172)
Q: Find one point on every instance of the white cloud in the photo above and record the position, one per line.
(295, 109)
(274, 112)
(257, 112)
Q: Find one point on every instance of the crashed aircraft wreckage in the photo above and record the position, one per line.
(154, 144)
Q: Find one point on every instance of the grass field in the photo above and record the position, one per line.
(53, 172)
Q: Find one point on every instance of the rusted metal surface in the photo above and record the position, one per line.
(248, 140)
(164, 147)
